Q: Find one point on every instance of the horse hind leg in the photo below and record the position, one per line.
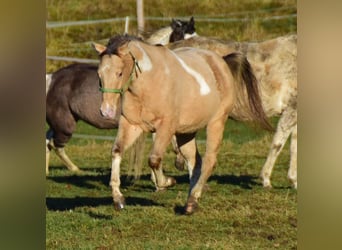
(283, 131)
(187, 150)
(56, 142)
(48, 140)
(164, 181)
(292, 174)
(66, 160)
(162, 139)
(214, 137)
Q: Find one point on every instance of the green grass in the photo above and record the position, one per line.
(235, 213)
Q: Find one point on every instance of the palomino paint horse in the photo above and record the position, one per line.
(159, 89)
(75, 96)
(274, 64)
(178, 30)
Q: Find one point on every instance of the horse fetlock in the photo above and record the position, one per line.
(154, 161)
(293, 179)
(266, 182)
(179, 163)
(169, 182)
(74, 169)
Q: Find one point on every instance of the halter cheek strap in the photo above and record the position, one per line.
(129, 81)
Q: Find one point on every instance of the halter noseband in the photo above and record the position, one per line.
(129, 81)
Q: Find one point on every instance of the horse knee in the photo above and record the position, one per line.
(154, 161)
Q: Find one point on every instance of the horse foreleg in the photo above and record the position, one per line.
(292, 174)
(162, 139)
(214, 138)
(127, 135)
(284, 128)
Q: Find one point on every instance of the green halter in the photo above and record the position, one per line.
(129, 81)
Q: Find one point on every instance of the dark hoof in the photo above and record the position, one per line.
(191, 206)
(120, 204)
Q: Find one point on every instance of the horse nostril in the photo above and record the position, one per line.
(107, 112)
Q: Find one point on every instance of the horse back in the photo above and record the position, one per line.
(274, 64)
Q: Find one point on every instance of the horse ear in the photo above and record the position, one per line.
(124, 50)
(173, 24)
(99, 47)
(192, 21)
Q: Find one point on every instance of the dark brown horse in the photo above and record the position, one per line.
(73, 95)
(159, 90)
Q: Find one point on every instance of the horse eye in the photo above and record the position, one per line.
(120, 74)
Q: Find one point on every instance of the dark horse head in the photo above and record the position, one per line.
(182, 29)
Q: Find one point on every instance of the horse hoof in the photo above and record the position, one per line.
(191, 206)
(171, 181)
(120, 204)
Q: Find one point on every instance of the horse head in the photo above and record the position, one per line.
(117, 69)
(182, 29)
(112, 74)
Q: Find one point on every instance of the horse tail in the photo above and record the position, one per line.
(250, 107)
(136, 156)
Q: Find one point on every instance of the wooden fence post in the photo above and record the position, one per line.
(140, 16)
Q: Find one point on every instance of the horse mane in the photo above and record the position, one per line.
(116, 42)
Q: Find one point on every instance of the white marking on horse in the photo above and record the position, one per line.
(204, 87)
(187, 36)
(105, 67)
(145, 63)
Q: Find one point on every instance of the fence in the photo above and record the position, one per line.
(219, 18)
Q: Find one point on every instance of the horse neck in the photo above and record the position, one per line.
(161, 36)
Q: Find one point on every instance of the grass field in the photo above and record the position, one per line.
(236, 212)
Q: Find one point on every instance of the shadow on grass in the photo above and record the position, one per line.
(91, 178)
(85, 180)
(64, 204)
(244, 181)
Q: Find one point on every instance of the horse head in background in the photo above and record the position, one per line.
(182, 30)
(159, 89)
(178, 30)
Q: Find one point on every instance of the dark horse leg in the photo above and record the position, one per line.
(189, 153)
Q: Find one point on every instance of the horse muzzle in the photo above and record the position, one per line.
(108, 111)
